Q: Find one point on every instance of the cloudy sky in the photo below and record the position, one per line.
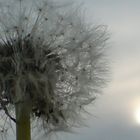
(116, 114)
(117, 111)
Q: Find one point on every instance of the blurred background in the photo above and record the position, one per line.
(116, 114)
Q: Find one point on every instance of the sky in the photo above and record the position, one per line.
(116, 113)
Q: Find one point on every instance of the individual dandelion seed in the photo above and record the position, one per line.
(47, 69)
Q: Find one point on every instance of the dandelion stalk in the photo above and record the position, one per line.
(23, 129)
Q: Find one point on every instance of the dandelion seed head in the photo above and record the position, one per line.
(50, 60)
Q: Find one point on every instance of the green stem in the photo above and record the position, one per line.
(23, 128)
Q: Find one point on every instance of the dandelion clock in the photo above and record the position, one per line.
(52, 65)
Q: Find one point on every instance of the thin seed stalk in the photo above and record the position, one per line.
(23, 128)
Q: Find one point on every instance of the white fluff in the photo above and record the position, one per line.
(68, 76)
